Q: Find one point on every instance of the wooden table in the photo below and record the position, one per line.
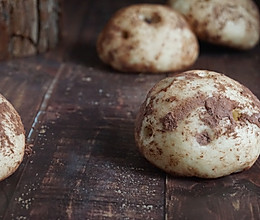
(79, 118)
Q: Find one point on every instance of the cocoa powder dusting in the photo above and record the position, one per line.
(247, 93)
(28, 149)
(169, 122)
(254, 118)
(203, 138)
(171, 99)
(221, 87)
(220, 107)
(210, 121)
(188, 105)
(4, 142)
(15, 118)
(6, 146)
(149, 108)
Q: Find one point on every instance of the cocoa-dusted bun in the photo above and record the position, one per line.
(12, 139)
(232, 23)
(147, 38)
(199, 123)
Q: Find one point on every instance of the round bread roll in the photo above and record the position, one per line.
(233, 23)
(147, 38)
(199, 123)
(12, 139)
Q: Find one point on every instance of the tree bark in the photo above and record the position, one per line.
(28, 27)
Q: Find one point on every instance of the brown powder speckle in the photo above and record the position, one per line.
(14, 117)
(220, 107)
(169, 122)
(28, 149)
(159, 150)
(254, 118)
(203, 138)
(181, 111)
(149, 108)
(171, 99)
(8, 116)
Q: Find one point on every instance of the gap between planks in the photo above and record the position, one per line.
(37, 118)
(44, 104)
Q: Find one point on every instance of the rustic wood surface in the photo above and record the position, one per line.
(28, 27)
(79, 119)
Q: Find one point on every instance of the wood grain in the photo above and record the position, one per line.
(28, 27)
(79, 116)
(85, 159)
(24, 83)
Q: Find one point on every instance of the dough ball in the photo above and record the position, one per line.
(199, 123)
(12, 139)
(147, 38)
(233, 23)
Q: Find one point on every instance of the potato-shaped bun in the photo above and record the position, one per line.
(147, 38)
(12, 139)
(199, 123)
(233, 23)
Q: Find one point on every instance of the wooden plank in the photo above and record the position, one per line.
(28, 27)
(32, 81)
(232, 197)
(24, 83)
(86, 164)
